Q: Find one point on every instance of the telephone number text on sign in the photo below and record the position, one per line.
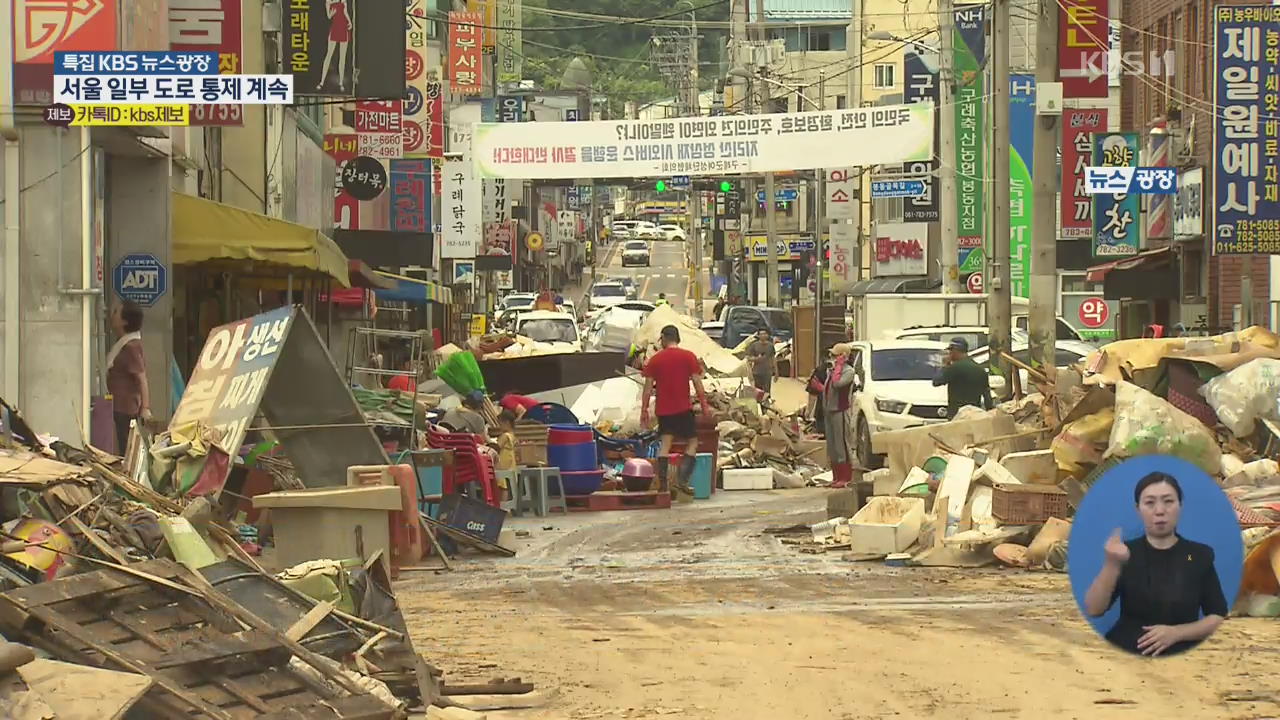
(130, 115)
(173, 89)
(135, 63)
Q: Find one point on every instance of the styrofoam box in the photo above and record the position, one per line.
(747, 479)
(886, 525)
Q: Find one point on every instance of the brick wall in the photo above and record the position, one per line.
(1150, 25)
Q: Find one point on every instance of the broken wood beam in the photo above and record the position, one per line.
(490, 688)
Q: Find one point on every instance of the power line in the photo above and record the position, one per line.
(617, 22)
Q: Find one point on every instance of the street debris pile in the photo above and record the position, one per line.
(1001, 486)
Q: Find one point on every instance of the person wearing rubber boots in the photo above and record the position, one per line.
(670, 372)
(837, 392)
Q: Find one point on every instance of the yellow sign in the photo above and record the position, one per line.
(126, 115)
(533, 241)
(478, 325)
(758, 249)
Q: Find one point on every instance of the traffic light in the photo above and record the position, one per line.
(726, 186)
(660, 186)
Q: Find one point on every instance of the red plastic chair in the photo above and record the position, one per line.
(470, 465)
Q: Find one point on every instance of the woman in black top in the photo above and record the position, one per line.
(1164, 582)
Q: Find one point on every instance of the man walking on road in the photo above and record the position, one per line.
(967, 384)
(672, 370)
(762, 357)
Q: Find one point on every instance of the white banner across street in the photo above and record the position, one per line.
(704, 146)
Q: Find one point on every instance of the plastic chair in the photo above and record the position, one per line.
(470, 465)
(535, 485)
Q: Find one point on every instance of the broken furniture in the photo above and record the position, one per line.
(470, 465)
(331, 523)
(407, 543)
(434, 468)
(534, 487)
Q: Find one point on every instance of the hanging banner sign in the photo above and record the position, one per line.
(510, 41)
(1246, 134)
(465, 63)
(1022, 127)
(1084, 33)
(459, 209)
(1078, 128)
(416, 120)
(842, 243)
(704, 146)
(210, 25)
(411, 195)
(434, 123)
(842, 186)
(1116, 227)
(969, 58)
(921, 85)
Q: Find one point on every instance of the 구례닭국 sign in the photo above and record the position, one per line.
(705, 146)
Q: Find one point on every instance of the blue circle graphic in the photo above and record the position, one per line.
(412, 101)
(1207, 517)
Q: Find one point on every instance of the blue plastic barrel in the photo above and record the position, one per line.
(573, 458)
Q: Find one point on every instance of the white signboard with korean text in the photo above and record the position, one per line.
(1188, 204)
(705, 146)
(843, 265)
(459, 208)
(842, 187)
(901, 249)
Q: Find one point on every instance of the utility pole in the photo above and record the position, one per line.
(695, 195)
(948, 210)
(772, 283)
(853, 50)
(1043, 292)
(999, 307)
(820, 230)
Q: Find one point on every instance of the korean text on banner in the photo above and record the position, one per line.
(318, 50)
(901, 249)
(969, 58)
(435, 120)
(346, 208)
(704, 146)
(1078, 127)
(842, 185)
(510, 41)
(843, 246)
(379, 131)
(1022, 119)
(1116, 226)
(465, 63)
(415, 112)
(921, 85)
(210, 25)
(40, 29)
(231, 376)
(459, 209)
(1084, 32)
(411, 195)
(1246, 169)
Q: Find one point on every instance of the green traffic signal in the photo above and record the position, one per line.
(660, 186)
(726, 186)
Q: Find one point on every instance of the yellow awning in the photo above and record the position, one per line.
(204, 230)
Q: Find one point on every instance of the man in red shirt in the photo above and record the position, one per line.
(406, 382)
(518, 404)
(672, 370)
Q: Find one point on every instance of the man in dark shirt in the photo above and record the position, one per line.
(967, 383)
(761, 355)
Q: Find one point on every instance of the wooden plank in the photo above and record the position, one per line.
(491, 688)
(309, 621)
(97, 542)
(358, 707)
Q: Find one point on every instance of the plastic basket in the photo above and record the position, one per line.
(1027, 504)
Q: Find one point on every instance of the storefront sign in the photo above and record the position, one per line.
(318, 51)
(346, 209)
(1022, 120)
(842, 244)
(1188, 204)
(231, 376)
(510, 108)
(465, 66)
(411, 195)
(510, 41)
(364, 178)
(459, 205)
(1078, 127)
(379, 131)
(788, 250)
(901, 249)
(504, 279)
(210, 26)
(140, 277)
(1084, 32)
(921, 85)
(415, 119)
(969, 58)
(1116, 226)
(1246, 169)
(434, 122)
(842, 190)
(1094, 313)
(703, 146)
(499, 240)
(40, 28)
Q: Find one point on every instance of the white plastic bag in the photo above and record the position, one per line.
(1245, 395)
(1147, 424)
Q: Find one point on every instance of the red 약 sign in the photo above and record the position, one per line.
(974, 283)
(1094, 313)
(1083, 44)
(1078, 126)
(465, 69)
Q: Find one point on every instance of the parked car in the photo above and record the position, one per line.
(895, 390)
(672, 232)
(645, 230)
(742, 321)
(635, 252)
(511, 306)
(976, 335)
(627, 282)
(713, 329)
(606, 294)
(560, 330)
(621, 230)
(1066, 354)
(612, 329)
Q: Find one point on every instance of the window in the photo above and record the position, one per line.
(1192, 271)
(885, 76)
(895, 365)
(841, 102)
(818, 40)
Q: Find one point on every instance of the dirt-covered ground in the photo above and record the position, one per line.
(694, 613)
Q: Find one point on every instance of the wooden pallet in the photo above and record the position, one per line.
(192, 642)
(599, 501)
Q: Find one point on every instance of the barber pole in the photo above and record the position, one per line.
(1159, 207)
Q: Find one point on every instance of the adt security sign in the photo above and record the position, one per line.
(140, 277)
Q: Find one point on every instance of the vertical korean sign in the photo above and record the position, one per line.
(464, 53)
(346, 209)
(435, 119)
(1078, 128)
(1022, 119)
(488, 11)
(210, 26)
(510, 42)
(970, 52)
(411, 195)
(41, 28)
(415, 113)
(1246, 180)
(1084, 32)
(921, 85)
(459, 208)
(1116, 228)
(318, 50)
